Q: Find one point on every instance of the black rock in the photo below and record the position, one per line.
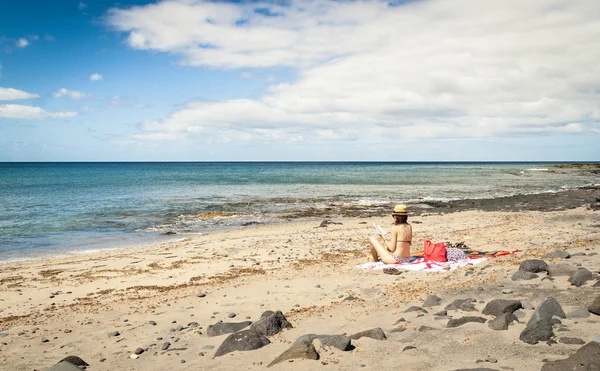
(242, 341)
(114, 333)
(502, 321)
(271, 323)
(138, 351)
(467, 305)
(555, 270)
(325, 223)
(578, 313)
(537, 331)
(461, 321)
(415, 309)
(376, 333)
(303, 350)
(533, 266)
(338, 341)
(231, 315)
(595, 306)
(580, 277)
(572, 341)
(498, 306)
(523, 275)
(548, 307)
(558, 254)
(432, 301)
(586, 358)
(221, 328)
(74, 360)
(152, 323)
(200, 295)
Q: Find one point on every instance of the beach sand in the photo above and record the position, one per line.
(53, 308)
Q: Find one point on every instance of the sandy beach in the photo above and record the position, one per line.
(73, 305)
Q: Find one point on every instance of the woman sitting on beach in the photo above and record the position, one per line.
(398, 248)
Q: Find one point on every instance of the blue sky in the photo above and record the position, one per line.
(191, 80)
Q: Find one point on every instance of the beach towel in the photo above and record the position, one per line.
(420, 264)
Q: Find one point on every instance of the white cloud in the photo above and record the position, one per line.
(21, 43)
(95, 77)
(426, 69)
(81, 5)
(17, 111)
(69, 93)
(14, 94)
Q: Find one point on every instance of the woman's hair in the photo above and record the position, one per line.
(400, 219)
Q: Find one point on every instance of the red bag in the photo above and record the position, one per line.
(435, 252)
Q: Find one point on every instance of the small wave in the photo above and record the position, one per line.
(536, 169)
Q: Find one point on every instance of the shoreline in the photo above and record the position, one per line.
(306, 271)
(546, 201)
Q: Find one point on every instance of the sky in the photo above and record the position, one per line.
(192, 80)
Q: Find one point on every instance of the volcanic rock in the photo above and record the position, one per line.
(242, 341)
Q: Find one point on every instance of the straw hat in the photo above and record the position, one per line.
(399, 210)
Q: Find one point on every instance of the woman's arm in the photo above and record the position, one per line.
(391, 245)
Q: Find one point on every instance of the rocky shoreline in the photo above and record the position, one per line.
(588, 196)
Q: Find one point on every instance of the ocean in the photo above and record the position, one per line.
(52, 209)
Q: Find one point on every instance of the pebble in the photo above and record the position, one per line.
(134, 356)
(507, 291)
(152, 323)
(201, 354)
(165, 345)
(179, 328)
(206, 347)
(182, 361)
(138, 351)
(102, 360)
(67, 331)
(491, 360)
(200, 294)
(44, 340)
(231, 315)
(317, 286)
(114, 333)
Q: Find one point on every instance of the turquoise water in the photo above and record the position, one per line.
(49, 209)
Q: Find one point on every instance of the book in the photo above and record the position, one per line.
(381, 232)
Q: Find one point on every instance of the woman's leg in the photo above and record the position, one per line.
(380, 253)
